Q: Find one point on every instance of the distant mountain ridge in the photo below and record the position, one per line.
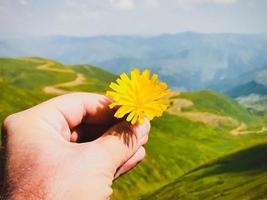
(246, 89)
(257, 74)
(249, 89)
(185, 60)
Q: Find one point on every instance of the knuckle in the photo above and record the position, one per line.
(143, 153)
(9, 120)
(108, 192)
(148, 125)
(144, 140)
(6, 126)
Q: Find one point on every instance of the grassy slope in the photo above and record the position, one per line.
(23, 74)
(240, 175)
(21, 83)
(97, 78)
(213, 102)
(176, 145)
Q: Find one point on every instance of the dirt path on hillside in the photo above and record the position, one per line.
(49, 67)
(264, 129)
(242, 130)
(56, 89)
(210, 119)
(30, 59)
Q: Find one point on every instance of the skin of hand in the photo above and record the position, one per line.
(69, 147)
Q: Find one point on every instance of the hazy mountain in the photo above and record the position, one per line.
(257, 75)
(246, 89)
(249, 89)
(185, 60)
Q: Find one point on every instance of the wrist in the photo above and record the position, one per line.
(26, 189)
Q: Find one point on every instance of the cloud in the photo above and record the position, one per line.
(186, 3)
(151, 3)
(146, 17)
(123, 4)
(23, 2)
(222, 1)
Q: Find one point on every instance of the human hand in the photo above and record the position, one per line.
(44, 156)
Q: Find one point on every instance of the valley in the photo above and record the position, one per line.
(206, 143)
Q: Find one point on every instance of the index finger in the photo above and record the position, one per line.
(73, 108)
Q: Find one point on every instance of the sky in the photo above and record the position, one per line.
(128, 17)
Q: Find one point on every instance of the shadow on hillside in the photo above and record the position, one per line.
(251, 160)
(225, 178)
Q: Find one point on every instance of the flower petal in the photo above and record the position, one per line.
(138, 96)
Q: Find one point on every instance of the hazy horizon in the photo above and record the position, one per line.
(130, 34)
(85, 18)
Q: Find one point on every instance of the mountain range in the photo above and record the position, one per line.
(249, 89)
(187, 61)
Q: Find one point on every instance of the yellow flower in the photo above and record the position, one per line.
(138, 96)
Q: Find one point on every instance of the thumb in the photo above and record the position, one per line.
(123, 140)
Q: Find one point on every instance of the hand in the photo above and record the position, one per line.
(70, 147)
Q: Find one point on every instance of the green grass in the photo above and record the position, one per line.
(240, 175)
(21, 83)
(176, 145)
(15, 99)
(97, 79)
(24, 75)
(213, 102)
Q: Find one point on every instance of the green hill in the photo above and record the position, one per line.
(23, 80)
(185, 138)
(213, 102)
(240, 175)
(176, 146)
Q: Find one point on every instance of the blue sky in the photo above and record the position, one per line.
(145, 17)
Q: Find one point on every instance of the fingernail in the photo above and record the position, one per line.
(144, 140)
(142, 129)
